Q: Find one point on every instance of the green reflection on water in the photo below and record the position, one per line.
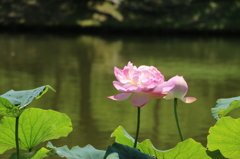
(80, 69)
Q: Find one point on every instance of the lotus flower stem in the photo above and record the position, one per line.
(138, 126)
(176, 117)
(16, 136)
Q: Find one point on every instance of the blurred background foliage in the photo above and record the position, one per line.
(136, 14)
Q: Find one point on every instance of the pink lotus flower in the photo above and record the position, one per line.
(179, 90)
(143, 82)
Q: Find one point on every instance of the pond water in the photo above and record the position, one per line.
(80, 69)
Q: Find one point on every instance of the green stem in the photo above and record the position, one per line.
(138, 126)
(176, 117)
(16, 136)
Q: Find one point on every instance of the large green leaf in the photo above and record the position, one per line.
(35, 126)
(12, 102)
(88, 152)
(187, 149)
(224, 106)
(225, 136)
(124, 151)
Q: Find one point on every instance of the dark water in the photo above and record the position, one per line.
(80, 69)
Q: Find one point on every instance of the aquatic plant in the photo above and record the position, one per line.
(178, 92)
(143, 82)
(24, 128)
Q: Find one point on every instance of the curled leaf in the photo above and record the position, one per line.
(224, 106)
(124, 151)
(12, 102)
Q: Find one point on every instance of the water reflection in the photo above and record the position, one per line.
(80, 68)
